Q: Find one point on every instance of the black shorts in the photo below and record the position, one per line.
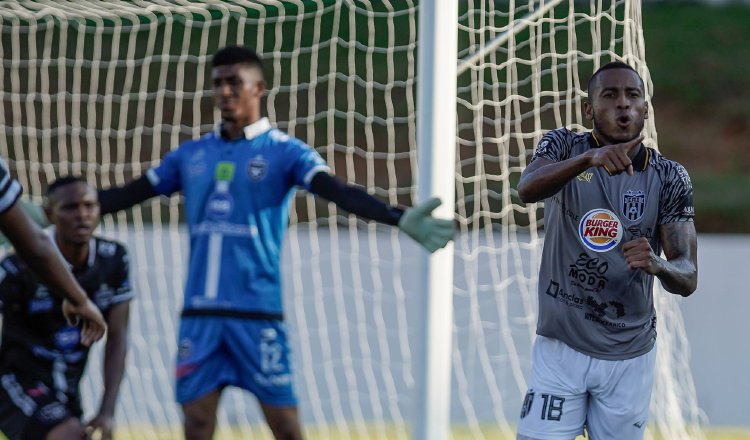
(30, 410)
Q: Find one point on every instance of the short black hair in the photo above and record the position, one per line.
(234, 54)
(610, 66)
(64, 181)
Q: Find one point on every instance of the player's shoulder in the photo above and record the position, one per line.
(281, 138)
(107, 248)
(201, 142)
(565, 136)
(668, 170)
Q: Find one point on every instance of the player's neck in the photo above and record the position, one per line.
(236, 129)
(75, 254)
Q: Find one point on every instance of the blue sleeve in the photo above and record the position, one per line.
(305, 162)
(166, 177)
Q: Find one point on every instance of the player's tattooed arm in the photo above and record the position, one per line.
(678, 273)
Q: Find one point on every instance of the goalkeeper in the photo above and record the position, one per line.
(237, 182)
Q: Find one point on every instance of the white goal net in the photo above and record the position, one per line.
(105, 89)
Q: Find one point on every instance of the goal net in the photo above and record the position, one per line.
(105, 89)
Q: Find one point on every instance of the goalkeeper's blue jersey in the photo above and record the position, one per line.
(236, 196)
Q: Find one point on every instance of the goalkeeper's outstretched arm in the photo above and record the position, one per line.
(417, 222)
(123, 197)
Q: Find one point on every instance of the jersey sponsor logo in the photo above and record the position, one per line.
(585, 176)
(40, 305)
(67, 338)
(257, 168)
(219, 206)
(42, 301)
(600, 230)
(52, 412)
(633, 204)
(106, 249)
(569, 299)
(224, 171)
(588, 273)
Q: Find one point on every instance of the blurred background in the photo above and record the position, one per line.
(698, 55)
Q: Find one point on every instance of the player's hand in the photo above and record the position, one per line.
(93, 326)
(418, 223)
(102, 425)
(639, 255)
(615, 158)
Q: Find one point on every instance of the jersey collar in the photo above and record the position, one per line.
(51, 232)
(252, 131)
(640, 161)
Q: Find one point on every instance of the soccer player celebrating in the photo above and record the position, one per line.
(611, 206)
(237, 182)
(41, 355)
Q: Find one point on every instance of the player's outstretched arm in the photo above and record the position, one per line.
(36, 249)
(113, 369)
(122, 197)
(417, 222)
(543, 178)
(679, 272)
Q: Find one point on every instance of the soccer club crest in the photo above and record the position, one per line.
(256, 168)
(633, 203)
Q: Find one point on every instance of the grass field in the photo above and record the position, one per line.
(457, 434)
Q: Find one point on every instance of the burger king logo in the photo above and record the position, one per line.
(600, 230)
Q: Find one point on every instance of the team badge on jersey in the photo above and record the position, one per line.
(256, 168)
(633, 203)
(600, 230)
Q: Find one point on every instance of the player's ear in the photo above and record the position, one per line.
(588, 109)
(645, 114)
(261, 87)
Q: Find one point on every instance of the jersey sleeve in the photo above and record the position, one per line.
(121, 278)
(305, 162)
(166, 177)
(9, 283)
(10, 189)
(676, 198)
(556, 146)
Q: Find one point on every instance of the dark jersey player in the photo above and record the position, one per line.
(611, 207)
(41, 355)
(38, 251)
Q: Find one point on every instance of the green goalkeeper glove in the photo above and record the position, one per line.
(418, 223)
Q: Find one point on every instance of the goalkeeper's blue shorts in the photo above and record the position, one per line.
(215, 352)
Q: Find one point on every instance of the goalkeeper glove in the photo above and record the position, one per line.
(418, 223)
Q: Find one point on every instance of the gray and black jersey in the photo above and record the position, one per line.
(10, 190)
(588, 297)
(37, 342)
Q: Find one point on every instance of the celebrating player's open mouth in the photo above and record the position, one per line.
(624, 121)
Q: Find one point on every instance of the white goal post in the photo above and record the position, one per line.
(106, 88)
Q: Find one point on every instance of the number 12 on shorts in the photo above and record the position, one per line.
(552, 408)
